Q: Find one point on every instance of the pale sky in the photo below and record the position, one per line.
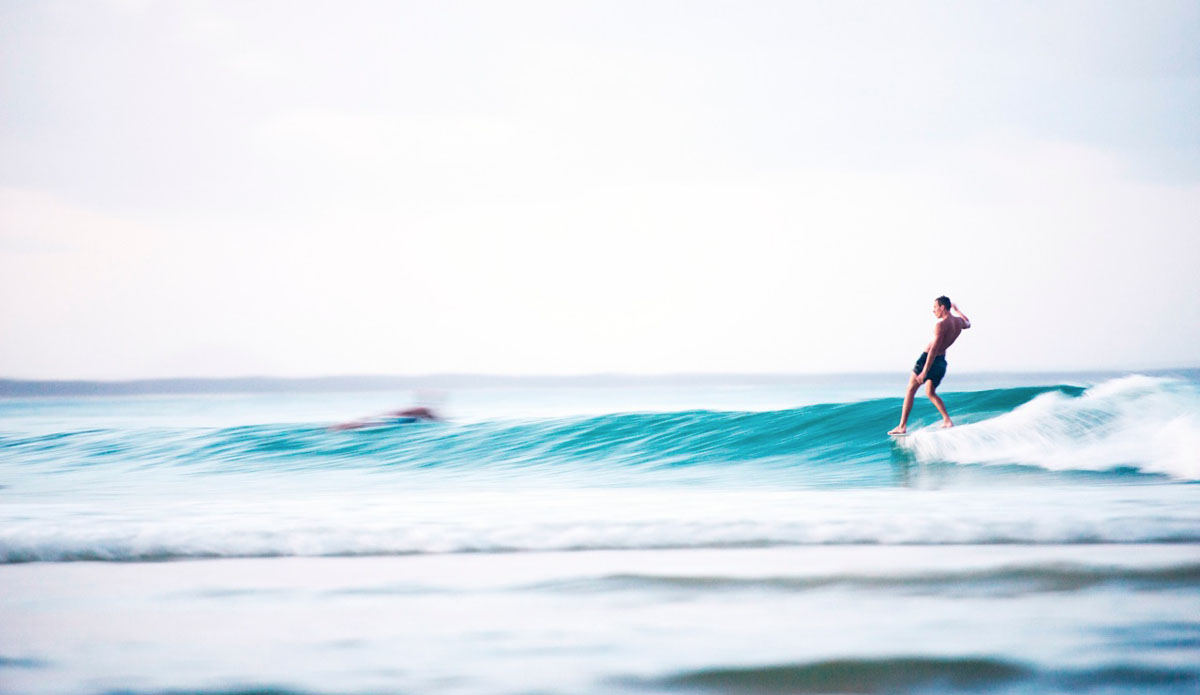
(308, 188)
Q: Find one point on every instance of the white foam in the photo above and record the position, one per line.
(1151, 424)
(391, 522)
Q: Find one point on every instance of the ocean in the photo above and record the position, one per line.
(640, 538)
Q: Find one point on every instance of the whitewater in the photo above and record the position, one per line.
(650, 538)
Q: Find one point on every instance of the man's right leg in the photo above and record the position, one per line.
(931, 389)
(908, 401)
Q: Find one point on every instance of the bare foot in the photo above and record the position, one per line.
(946, 424)
(899, 430)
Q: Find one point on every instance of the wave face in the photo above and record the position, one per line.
(1134, 424)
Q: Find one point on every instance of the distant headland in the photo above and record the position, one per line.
(16, 388)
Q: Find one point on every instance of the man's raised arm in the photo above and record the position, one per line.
(955, 308)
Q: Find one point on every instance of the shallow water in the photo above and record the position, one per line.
(650, 539)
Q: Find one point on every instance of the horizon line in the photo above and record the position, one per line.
(10, 387)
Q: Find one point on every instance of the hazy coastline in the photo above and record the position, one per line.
(21, 388)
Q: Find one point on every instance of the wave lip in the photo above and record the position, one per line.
(917, 674)
(155, 540)
(1147, 424)
(1007, 580)
(886, 675)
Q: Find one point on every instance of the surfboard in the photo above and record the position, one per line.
(929, 429)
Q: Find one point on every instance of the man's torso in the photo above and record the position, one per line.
(949, 331)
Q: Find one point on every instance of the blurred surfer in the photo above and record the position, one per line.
(420, 413)
(396, 417)
(931, 365)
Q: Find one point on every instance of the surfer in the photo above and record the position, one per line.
(931, 365)
(395, 417)
(414, 414)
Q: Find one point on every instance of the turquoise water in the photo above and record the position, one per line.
(749, 538)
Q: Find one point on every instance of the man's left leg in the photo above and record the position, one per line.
(902, 428)
(931, 390)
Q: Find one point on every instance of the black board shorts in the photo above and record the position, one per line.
(937, 370)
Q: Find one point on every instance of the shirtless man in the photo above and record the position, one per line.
(931, 365)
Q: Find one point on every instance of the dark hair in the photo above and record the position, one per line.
(944, 301)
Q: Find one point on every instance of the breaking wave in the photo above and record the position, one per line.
(1151, 425)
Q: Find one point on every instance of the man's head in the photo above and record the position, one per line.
(941, 307)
